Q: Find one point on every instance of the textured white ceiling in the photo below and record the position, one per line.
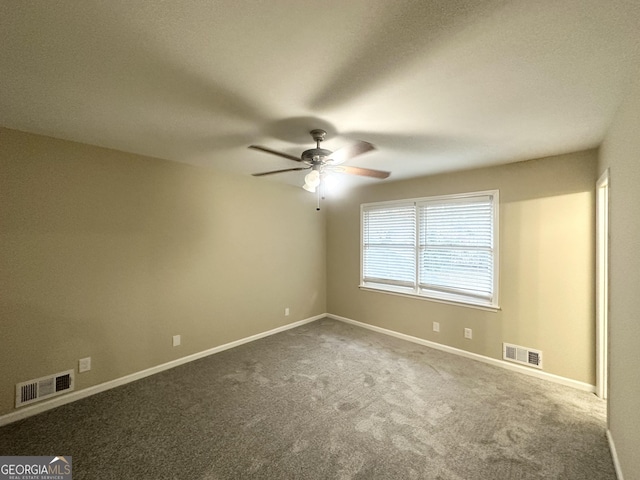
(436, 85)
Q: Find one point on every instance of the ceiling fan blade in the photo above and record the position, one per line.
(279, 171)
(365, 172)
(346, 153)
(275, 152)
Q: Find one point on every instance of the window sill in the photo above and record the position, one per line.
(449, 300)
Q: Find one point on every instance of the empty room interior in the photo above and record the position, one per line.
(363, 239)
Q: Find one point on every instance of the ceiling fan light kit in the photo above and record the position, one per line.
(311, 181)
(322, 161)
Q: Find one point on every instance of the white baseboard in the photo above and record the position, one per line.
(87, 392)
(614, 455)
(481, 358)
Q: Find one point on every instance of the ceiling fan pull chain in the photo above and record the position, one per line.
(318, 198)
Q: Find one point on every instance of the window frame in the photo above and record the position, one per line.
(416, 291)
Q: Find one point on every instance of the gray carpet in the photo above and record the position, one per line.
(327, 401)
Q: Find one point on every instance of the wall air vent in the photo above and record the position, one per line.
(523, 355)
(42, 388)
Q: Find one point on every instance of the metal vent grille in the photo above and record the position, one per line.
(44, 387)
(523, 355)
(63, 382)
(29, 392)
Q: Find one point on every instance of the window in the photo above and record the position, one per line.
(442, 248)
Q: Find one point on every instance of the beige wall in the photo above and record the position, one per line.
(107, 254)
(546, 264)
(620, 152)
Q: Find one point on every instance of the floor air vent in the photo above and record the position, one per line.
(523, 355)
(45, 387)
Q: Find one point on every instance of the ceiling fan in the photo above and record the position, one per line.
(321, 161)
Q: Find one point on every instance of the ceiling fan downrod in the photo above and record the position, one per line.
(318, 136)
(316, 156)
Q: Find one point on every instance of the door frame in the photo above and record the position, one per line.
(602, 284)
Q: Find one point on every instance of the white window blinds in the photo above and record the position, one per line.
(438, 247)
(389, 245)
(456, 246)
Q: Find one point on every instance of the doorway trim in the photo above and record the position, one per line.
(602, 284)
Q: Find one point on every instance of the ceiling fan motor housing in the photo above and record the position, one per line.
(315, 155)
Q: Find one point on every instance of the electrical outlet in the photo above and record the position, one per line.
(84, 364)
(286, 312)
(436, 326)
(176, 340)
(468, 333)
